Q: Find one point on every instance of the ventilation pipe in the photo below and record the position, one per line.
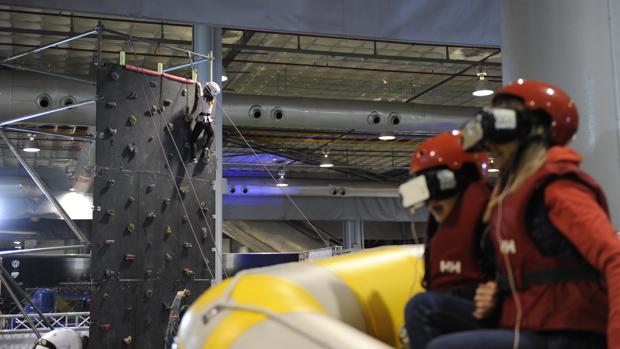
(23, 93)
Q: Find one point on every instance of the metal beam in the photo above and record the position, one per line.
(51, 111)
(160, 42)
(116, 35)
(301, 157)
(52, 44)
(315, 66)
(454, 76)
(41, 249)
(18, 303)
(46, 133)
(355, 55)
(43, 72)
(41, 184)
(186, 65)
(232, 53)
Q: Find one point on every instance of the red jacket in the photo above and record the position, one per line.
(453, 251)
(577, 208)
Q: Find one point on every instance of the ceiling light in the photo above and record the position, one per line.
(281, 182)
(71, 189)
(224, 75)
(482, 87)
(31, 146)
(493, 170)
(325, 162)
(387, 137)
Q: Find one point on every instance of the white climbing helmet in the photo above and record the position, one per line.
(63, 338)
(213, 88)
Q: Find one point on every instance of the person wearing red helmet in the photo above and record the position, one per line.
(558, 255)
(452, 184)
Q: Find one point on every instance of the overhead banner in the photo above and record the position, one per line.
(463, 22)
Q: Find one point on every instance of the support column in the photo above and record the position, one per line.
(572, 44)
(353, 235)
(209, 39)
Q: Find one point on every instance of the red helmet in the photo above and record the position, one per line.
(445, 150)
(539, 95)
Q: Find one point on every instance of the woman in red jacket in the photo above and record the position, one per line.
(452, 184)
(558, 255)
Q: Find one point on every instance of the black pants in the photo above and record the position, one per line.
(198, 128)
(503, 339)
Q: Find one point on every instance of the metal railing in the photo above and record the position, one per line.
(16, 323)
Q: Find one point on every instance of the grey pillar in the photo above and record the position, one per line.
(574, 45)
(353, 235)
(209, 39)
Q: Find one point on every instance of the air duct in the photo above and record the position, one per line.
(23, 93)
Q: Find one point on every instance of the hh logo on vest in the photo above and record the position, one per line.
(508, 246)
(450, 267)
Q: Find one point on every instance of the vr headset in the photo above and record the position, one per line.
(497, 125)
(436, 184)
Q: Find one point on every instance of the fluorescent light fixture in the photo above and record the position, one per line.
(493, 170)
(71, 189)
(387, 137)
(281, 183)
(325, 162)
(31, 146)
(482, 88)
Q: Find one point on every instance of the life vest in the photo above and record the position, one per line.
(453, 250)
(556, 292)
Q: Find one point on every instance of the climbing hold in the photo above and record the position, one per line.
(152, 84)
(168, 230)
(168, 257)
(132, 95)
(109, 273)
(148, 293)
(184, 92)
(111, 104)
(184, 189)
(131, 199)
(131, 228)
(167, 102)
(188, 272)
(109, 242)
(110, 212)
(151, 215)
(105, 296)
(130, 257)
(132, 148)
(127, 340)
(132, 120)
(115, 76)
(187, 244)
(111, 131)
(104, 327)
(150, 187)
(167, 202)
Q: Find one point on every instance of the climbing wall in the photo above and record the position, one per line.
(144, 248)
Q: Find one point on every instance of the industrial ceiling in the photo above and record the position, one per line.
(271, 64)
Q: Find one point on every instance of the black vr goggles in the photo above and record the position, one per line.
(497, 125)
(436, 184)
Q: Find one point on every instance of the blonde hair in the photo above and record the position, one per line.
(533, 156)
